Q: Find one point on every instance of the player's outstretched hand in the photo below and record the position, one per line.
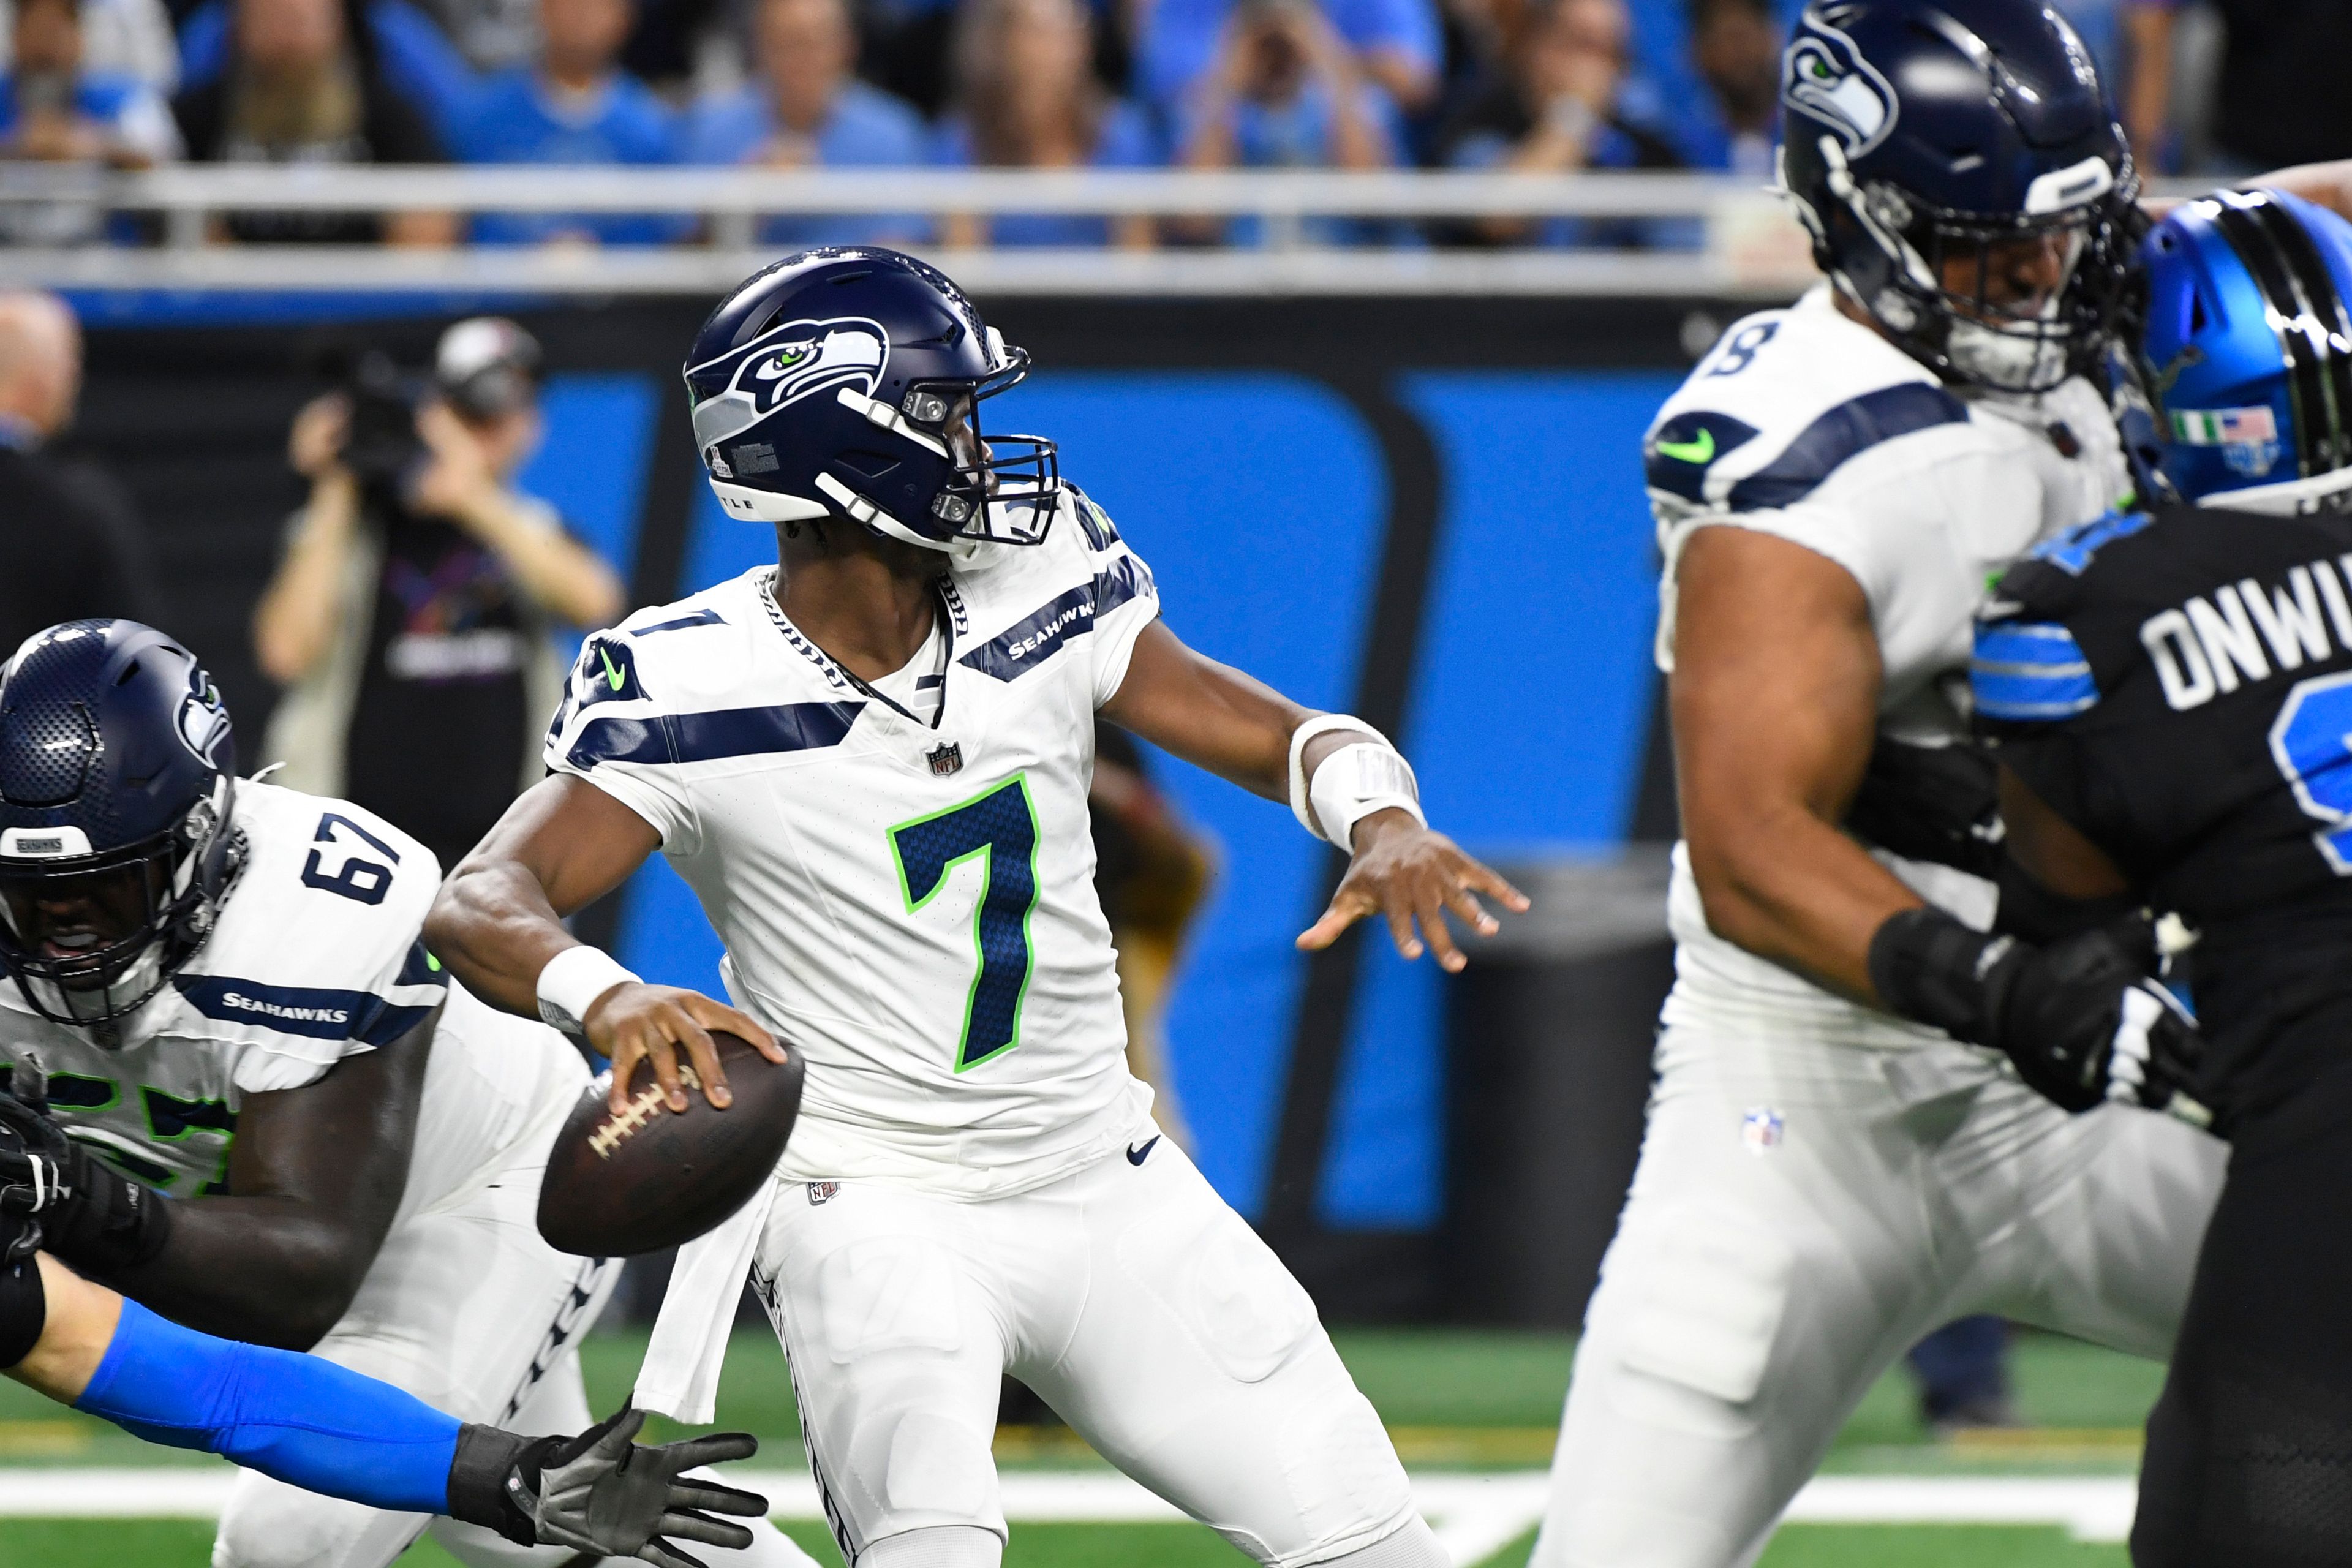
(633, 1022)
(602, 1493)
(1412, 876)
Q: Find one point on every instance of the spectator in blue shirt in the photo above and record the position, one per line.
(1554, 109)
(573, 107)
(1396, 43)
(1026, 97)
(804, 110)
(1735, 51)
(1286, 93)
(53, 111)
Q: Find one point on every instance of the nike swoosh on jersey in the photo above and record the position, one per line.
(1138, 1153)
(613, 675)
(1701, 451)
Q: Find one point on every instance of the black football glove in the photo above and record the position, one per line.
(2082, 1019)
(80, 1209)
(601, 1493)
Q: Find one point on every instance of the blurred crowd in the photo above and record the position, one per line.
(2217, 87)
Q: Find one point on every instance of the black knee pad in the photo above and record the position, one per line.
(24, 1309)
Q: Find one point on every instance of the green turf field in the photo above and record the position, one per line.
(1455, 1401)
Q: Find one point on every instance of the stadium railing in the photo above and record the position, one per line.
(1746, 247)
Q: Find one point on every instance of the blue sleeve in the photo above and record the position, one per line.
(296, 1418)
(2028, 672)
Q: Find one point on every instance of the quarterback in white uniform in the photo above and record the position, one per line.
(236, 1010)
(1841, 1156)
(872, 763)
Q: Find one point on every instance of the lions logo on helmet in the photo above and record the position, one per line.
(1823, 72)
(204, 720)
(783, 365)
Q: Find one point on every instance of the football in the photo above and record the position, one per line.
(647, 1177)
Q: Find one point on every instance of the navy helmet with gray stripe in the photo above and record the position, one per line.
(2247, 351)
(846, 383)
(117, 775)
(1925, 139)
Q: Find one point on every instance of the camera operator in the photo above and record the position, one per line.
(410, 615)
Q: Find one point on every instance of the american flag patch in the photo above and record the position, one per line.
(2224, 426)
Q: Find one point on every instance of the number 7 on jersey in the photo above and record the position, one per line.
(999, 830)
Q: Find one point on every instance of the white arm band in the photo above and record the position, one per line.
(1352, 783)
(572, 980)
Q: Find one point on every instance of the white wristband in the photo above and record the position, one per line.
(1352, 783)
(572, 980)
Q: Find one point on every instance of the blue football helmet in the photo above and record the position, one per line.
(117, 776)
(846, 383)
(1924, 140)
(2246, 350)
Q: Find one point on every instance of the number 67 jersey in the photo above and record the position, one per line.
(901, 873)
(2177, 686)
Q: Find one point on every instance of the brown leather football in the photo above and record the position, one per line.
(647, 1177)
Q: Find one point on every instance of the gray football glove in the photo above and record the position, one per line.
(602, 1493)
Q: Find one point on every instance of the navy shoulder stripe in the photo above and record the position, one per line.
(708, 737)
(699, 618)
(318, 1013)
(1036, 636)
(1846, 432)
(1678, 453)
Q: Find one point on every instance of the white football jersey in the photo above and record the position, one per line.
(910, 903)
(1807, 425)
(316, 957)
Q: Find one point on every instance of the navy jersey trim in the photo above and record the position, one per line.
(317, 1013)
(1679, 453)
(709, 737)
(2026, 671)
(1038, 635)
(1843, 433)
(699, 618)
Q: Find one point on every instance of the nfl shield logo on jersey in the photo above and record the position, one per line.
(822, 1192)
(1760, 1130)
(947, 759)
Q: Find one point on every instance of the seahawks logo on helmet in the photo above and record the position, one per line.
(203, 720)
(1824, 75)
(785, 365)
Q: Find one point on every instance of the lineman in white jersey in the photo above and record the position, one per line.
(1839, 1155)
(222, 987)
(871, 763)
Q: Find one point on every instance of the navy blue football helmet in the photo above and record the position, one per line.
(117, 776)
(2246, 350)
(848, 383)
(1929, 143)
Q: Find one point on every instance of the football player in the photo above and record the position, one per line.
(2171, 694)
(871, 763)
(310, 1423)
(285, 1125)
(1834, 1164)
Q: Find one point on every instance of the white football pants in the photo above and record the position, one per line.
(1129, 1297)
(469, 1311)
(1803, 1214)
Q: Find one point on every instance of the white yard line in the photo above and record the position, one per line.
(1475, 1515)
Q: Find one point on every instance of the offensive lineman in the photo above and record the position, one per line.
(222, 986)
(1838, 1158)
(871, 763)
(2172, 695)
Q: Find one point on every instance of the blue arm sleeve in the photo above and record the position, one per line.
(299, 1419)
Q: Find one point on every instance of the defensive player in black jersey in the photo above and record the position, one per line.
(2170, 694)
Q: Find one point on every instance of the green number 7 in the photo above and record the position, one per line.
(1000, 830)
